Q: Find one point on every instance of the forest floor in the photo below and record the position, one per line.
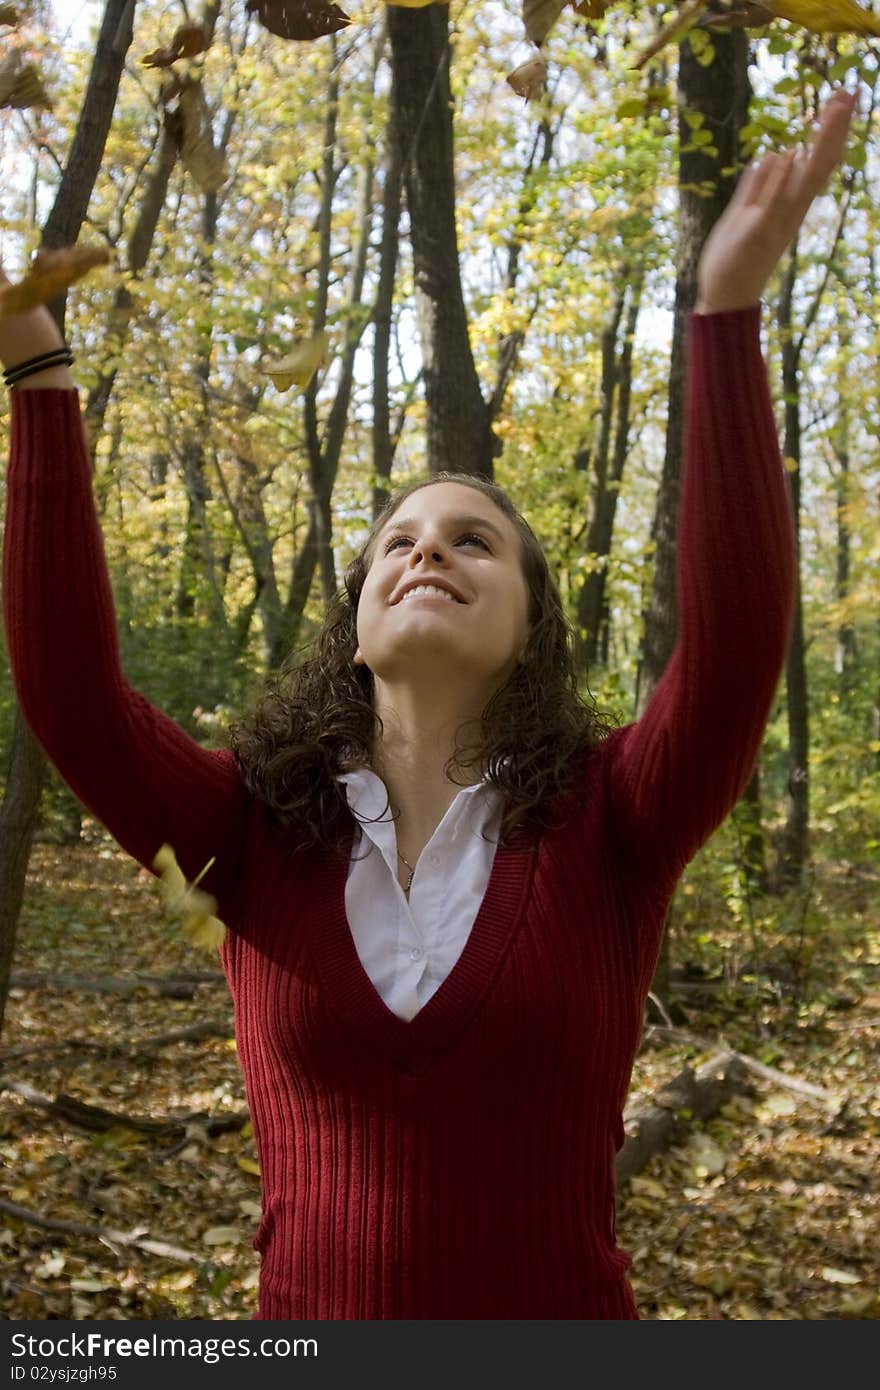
(769, 1210)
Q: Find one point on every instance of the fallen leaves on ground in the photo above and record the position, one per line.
(769, 1211)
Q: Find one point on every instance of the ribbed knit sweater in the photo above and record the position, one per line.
(459, 1165)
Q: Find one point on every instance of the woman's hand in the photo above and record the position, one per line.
(768, 206)
(23, 336)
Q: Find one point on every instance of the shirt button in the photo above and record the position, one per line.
(415, 953)
(435, 861)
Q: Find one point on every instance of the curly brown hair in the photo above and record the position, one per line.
(314, 718)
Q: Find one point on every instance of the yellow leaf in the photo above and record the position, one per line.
(249, 1165)
(51, 273)
(301, 363)
(192, 904)
(826, 16)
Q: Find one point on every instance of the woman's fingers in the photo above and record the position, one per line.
(807, 166)
(828, 141)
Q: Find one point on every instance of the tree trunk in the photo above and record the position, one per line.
(459, 430)
(754, 849)
(794, 850)
(721, 93)
(845, 652)
(27, 763)
(592, 607)
(383, 439)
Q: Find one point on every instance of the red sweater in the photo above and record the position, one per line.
(460, 1165)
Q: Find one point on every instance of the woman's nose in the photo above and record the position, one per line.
(435, 551)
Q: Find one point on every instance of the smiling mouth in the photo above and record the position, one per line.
(432, 591)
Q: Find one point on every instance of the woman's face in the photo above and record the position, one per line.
(476, 632)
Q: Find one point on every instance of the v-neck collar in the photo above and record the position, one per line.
(413, 1044)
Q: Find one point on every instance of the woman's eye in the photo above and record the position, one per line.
(471, 536)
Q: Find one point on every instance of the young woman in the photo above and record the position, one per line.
(438, 1000)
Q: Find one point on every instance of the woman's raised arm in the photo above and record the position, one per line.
(135, 769)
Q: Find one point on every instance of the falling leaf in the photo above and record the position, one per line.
(298, 19)
(592, 9)
(21, 86)
(826, 16)
(188, 41)
(49, 275)
(249, 1165)
(529, 80)
(539, 16)
(206, 164)
(9, 15)
(193, 904)
(301, 363)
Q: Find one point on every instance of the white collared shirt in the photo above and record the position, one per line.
(409, 947)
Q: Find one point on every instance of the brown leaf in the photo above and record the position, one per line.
(188, 41)
(539, 16)
(9, 15)
(50, 274)
(740, 16)
(21, 86)
(298, 19)
(206, 164)
(592, 9)
(529, 80)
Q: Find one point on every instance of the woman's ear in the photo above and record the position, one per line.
(358, 658)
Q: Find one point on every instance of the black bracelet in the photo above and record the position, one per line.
(58, 357)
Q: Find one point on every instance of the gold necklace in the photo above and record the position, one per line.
(409, 884)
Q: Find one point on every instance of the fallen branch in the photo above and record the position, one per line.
(98, 1120)
(106, 1237)
(173, 987)
(690, 1095)
(827, 1099)
(136, 1048)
